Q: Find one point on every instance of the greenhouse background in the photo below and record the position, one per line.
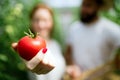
(14, 21)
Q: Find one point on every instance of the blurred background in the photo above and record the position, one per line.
(14, 20)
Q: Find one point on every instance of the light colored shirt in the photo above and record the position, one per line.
(93, 44)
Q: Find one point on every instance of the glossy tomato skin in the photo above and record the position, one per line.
(28, 47)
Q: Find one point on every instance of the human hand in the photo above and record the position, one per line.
(74, 72)
(40, 63)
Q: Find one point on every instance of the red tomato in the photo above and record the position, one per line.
(28, 47)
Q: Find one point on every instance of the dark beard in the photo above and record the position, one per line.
(88, 18)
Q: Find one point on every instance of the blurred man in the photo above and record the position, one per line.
(91, 42)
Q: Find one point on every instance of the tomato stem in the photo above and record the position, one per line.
(30, 34)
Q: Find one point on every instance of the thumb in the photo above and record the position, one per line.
(14, 46)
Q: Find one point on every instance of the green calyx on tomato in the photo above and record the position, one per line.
(30, 34)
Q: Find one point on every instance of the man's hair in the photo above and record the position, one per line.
(99, 2)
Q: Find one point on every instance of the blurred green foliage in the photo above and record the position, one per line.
(13, 22)
(114, 13)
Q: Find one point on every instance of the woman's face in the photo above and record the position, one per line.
(42, 22)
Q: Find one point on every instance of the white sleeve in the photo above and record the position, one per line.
(115, 34)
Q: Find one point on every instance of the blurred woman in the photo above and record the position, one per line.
(42, 22)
